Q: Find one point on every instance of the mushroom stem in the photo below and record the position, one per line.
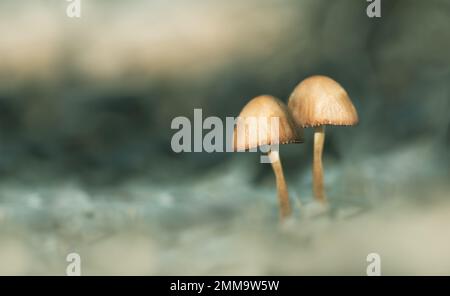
(318, 186)
(283, 196)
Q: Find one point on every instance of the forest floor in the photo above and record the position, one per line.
(222, 224)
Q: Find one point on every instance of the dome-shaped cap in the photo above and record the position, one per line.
(265, 108)
(319, 100)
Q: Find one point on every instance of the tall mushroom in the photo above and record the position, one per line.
(316, 102)
(253, 134)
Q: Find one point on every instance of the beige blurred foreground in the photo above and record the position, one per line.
(219, 225)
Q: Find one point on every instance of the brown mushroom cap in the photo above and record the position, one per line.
(319, 100)
(266, 107)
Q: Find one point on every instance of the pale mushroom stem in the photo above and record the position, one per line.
(318, 184)
(283, 196)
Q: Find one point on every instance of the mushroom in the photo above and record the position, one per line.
(316, 102)
(251, 133)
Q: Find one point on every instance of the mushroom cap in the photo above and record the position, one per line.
(265, 108)
(319, 100)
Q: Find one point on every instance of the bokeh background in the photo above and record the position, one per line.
(86, 164)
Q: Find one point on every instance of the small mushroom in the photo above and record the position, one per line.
(316, 102)
(252, 134)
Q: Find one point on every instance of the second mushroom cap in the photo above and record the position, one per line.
(319, 100)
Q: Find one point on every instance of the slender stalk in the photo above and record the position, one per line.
(318, 184)
(283, 196)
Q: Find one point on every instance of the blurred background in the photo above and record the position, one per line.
(86, 164)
